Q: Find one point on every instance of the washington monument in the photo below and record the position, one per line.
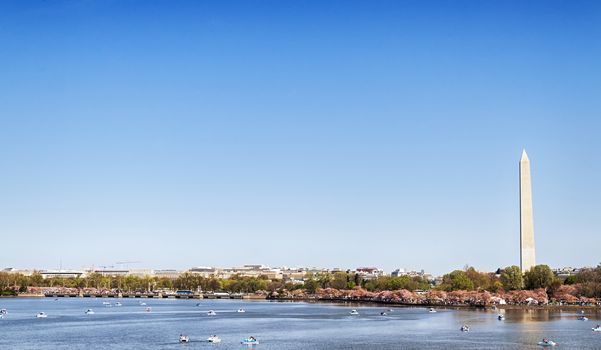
(527, 257)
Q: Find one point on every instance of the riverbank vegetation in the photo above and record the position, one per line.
(539, 285)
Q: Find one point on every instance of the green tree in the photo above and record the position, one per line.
(539, 276)
(457, 280)
(511, 278)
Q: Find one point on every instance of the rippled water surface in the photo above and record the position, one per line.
(281, 325)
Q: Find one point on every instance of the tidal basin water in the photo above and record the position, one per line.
(281, 325)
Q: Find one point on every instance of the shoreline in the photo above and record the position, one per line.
(449, 306)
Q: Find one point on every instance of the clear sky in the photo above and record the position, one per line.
(298, 133)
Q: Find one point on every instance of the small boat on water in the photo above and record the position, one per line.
(547, 342)
(118, 304)
(184, 338)
(383, 313)
(582, 318)
(106, 303)
(354, 312)
(197, 304)
(41, 315)
(142, 303)
(431, 310)
(3, 312)
(597, 328)
(241, 310)
(89, 312)
(148, 309)
(464, 328)
(501, 318)
(214, 339)
(250, 341)
(211, 313)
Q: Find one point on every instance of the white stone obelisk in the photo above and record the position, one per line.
(527, 257)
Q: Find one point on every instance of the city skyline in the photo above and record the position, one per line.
(314, 134)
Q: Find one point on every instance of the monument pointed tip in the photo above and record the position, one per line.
(524, 154)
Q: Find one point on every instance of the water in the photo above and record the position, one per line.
(281, 326)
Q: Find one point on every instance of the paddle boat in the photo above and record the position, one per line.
(431, 310)
(118, 304)
(354, 312)
(89, 312)
(240, 310)
(106, 303)
(142, 303)
(250, 341)
(41, 315)
(383, 313)
(597, 328)
(214, 339)
(184, 338)
(148, 309)
(464, 328)
(547, 342)
(3, 312)
(501, 317)
(211, 313)
(582, 318)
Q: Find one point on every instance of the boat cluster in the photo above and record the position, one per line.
(215, 339)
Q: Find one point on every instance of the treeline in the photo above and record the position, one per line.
(587, 283)
(11, 283)
(344, 280)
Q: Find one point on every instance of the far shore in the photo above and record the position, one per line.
(447, 306)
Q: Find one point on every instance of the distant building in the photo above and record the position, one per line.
(564, 272)
(167, 273)
(403, 272)
(61, 273)
(111, 272)
(368, 273)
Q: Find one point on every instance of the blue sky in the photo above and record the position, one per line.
(308, 133)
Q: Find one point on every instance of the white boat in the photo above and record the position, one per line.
(431, 310)
(582, 318)
(118, 304)
(214, 339)
(148, 309)
(41, 315)
(184, 338)
(546, 342)
(106, 303)
(211, 313)
(240, 310)
(464, 328)
(383, 313)
(142, 303)
(354, 312)
(89, 312)
(250, 341)
(500, 317)
(3, 312)
(597, 329)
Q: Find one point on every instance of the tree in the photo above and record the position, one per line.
(539, 276)
(456, 280)
(511, 278)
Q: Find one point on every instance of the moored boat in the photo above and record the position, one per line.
(184, 338)
(214, 339)
(250, 341)
(547, 342)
